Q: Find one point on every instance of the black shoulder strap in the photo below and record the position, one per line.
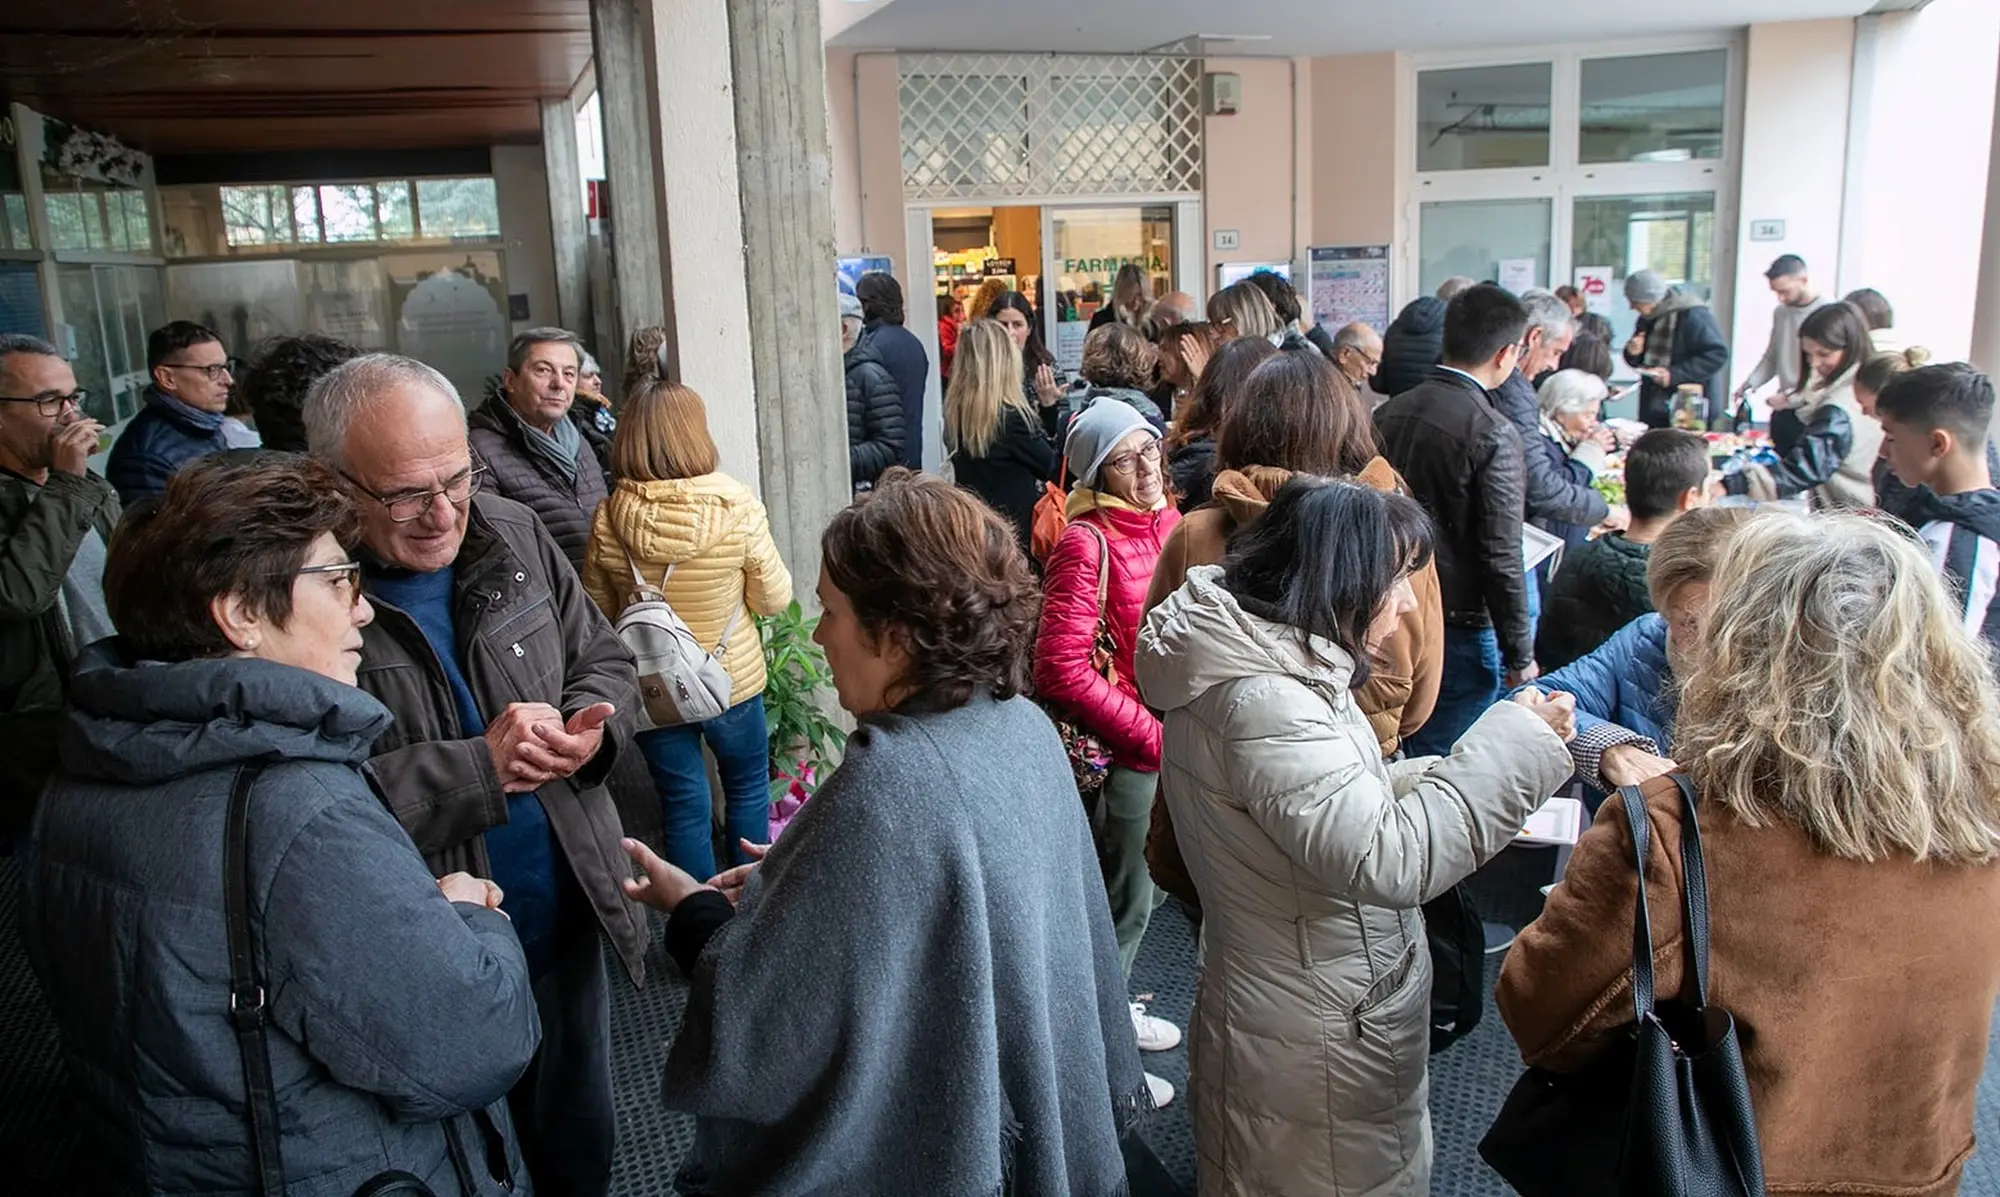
(247, 1010)
(1634, 804)
(1694, 888)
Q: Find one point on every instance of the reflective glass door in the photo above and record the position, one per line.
(1507, 241)
(1086, 246)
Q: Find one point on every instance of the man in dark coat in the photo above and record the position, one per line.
(56, 519)
(1554, 496)
(534, 453)
(1462, 460)
(1412, 346)
(875, 429)
(182, 419)
(901, 352)
(513, 699)
(1676, 344)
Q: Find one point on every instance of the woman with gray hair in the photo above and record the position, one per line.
(1842, 731)
(1676, 344)
(1573, 443)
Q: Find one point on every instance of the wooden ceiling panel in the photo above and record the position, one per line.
(220, 75)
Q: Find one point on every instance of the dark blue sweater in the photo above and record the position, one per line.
(520, 853)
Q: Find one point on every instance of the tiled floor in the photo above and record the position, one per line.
(1468, 1080)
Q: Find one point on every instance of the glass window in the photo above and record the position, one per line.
(1090, 245)
(90, 207)
(1484, 118)
(349, 210)
(20, 233)
(392, 207)
(78, 286)
(1505, 241)
(1653, 108)
(131, 220)
(255, 216)
(1617, 235)
(65, 220)
(458, 208)
(305, 215)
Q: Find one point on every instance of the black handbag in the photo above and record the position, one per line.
(1666, 1111)
(250, 1015)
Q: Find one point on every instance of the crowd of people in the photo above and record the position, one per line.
(310, 743)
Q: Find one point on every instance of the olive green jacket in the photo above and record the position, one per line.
(39, 538)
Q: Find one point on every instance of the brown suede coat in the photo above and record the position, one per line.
(1862, 991)
(1403, 688)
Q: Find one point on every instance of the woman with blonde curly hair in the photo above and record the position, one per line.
(1843, 732)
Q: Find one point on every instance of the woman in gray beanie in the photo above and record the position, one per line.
(1677, 344)
(1093, 596)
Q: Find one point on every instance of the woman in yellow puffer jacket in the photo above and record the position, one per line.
(672, 510)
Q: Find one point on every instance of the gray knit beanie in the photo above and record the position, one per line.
(1646, 287)
(1096, 431)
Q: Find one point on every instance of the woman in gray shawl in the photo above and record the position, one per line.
(918, 990)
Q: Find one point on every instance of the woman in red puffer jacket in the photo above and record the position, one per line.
(1119, 519)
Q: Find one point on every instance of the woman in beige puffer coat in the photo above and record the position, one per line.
(702, 539)
(1312, 1020)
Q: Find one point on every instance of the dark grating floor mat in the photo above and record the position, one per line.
(1468, 1080)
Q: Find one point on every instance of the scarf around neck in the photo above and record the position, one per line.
(559, 449)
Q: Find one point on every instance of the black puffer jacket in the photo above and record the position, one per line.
(518, 473)
(1413, 344)
(1600, 588)
(1462, 460)
(874, 416)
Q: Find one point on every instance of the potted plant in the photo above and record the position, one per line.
(806, 741)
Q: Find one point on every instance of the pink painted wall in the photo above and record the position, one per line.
(1250, 168)
(1353, 163)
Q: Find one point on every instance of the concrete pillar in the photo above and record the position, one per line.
(784, 160)
(567, 227)
(621, 36)
(721, 185)
(1986, 304)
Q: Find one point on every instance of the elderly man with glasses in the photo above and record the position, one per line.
(56, 518)
(1357, 350)
(183, 416)
(512, 698)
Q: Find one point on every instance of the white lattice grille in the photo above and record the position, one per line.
(1000, 125)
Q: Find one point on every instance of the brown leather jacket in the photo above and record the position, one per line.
(1862, 990)
(528, 633)
(1403, 688)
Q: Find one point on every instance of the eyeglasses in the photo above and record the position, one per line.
(411, 505)
(1371, 359)
(343, 573)
(52, 404)
(215, 373)
(1125, 463)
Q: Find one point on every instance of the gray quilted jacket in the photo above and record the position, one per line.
(399, 1019)
(1312, 1021)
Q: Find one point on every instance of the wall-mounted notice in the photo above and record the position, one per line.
(1595, 284)
(1517, 274)
(1350, 283)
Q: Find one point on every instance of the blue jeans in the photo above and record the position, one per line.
(740, 740)
(1470, 683)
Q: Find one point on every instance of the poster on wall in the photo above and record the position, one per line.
(1594, 283)
(1517, 274)
(850, 270)
(1069, 345)
(1350, 283)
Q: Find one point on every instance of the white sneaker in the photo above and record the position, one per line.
(1155, 1034)
(1162, 1091)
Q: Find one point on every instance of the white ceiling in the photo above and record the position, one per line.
(1294, 27)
